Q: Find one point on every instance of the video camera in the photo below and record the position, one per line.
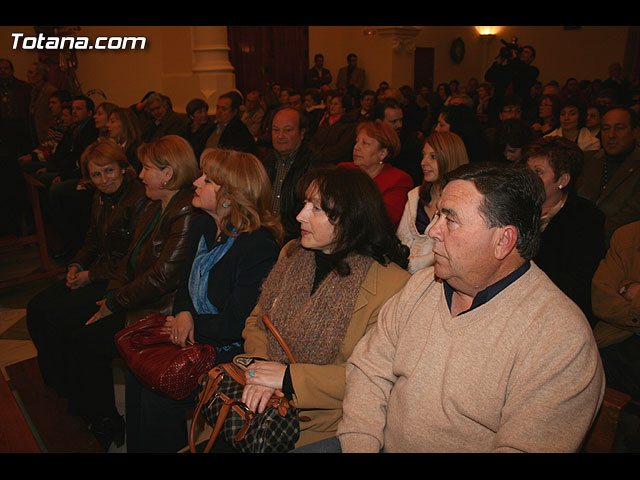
(507, 52)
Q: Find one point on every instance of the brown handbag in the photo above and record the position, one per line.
(276, 430)
(159, 364)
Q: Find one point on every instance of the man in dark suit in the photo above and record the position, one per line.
(289, 159)
(64, 165)
(229, 132)
(391, 112)
(165, 120)
(317, 76)
(611, 176)
(351, 77)
(67, 206)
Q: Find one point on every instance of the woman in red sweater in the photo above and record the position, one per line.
(376, 145)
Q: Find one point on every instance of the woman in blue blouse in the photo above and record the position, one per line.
(231, 250)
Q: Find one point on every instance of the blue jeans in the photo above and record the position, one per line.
(328, 445)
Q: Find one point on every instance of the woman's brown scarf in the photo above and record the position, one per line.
(313, 326)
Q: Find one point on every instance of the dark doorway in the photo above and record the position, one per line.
(262, 55)
(423, 67)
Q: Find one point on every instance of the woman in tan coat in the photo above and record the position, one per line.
(323, 295)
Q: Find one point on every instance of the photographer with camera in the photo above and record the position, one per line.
(512, 72)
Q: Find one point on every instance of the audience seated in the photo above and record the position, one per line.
(335, 135)
(617, 83)
(142, 112)
(231, 250)
(414, 116)
(60, 108)
(229, 131)
(573, 116)
(367, 104)
(615, 303)
(200, 125)
(101, 117)
(164, 120)
(594, 116)
(253, 112)
(461, 120)
(315, 109)
(611, 177)
(68, 208)
(124, 128)
(548, 115)
(572, 238)
(442, 153)
(146, 282)
(376, 144)
(65, 162)
(320, 151)
(512, 137)
(289, 159)
(499, 358)
(510, 110)
(391, 112)
(323, 295)
(65, 306)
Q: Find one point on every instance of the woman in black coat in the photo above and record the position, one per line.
(65, 306)
(572, 237)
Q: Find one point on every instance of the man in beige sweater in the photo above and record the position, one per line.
(481, 352)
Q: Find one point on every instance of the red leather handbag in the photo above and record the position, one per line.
(159, 364)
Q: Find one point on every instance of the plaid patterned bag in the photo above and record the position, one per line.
(276, 430)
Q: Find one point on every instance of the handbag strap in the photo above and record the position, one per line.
(283, 344)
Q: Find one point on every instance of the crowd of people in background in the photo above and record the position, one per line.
(135, 197)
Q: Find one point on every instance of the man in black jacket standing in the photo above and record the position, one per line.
(512, 72)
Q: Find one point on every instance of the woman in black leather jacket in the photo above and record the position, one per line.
(65, 306)
(145, 282)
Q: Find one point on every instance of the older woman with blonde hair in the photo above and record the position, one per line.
(146, 282)
(377, 144)
(231, 250)
(442, 153)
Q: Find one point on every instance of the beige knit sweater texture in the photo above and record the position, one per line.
(520, 373)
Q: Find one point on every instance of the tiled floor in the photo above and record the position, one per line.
(15, 344)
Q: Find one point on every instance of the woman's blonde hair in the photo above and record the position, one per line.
(245, 190)
(175, 152)
(102, 153)
(450, 154)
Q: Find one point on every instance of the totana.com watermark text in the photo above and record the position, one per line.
(43, 42)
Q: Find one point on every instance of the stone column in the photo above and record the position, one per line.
(211, 64)
(403, 46)
(196, 65)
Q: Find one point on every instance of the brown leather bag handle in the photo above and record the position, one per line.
(283, 344)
